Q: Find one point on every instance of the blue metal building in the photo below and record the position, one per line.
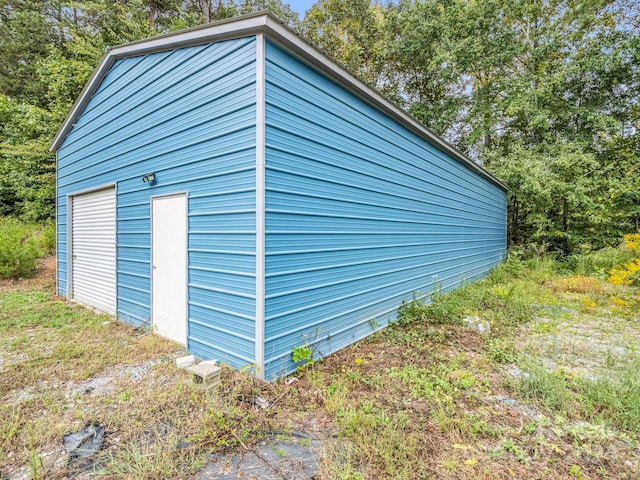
(240, 193)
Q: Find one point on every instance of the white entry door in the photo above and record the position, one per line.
(169, 267)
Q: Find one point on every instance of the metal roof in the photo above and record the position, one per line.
(272, 28)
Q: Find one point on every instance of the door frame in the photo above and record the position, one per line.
(184, 194)
(70, 197)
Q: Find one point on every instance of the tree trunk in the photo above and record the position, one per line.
(205, 8)
(512, 231)
(60, 21)
(486, 140)
(153, 16)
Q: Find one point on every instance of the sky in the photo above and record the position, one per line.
(299, 6)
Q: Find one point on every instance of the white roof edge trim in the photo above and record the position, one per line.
(273, 28)
(239, 28)
(369, 95)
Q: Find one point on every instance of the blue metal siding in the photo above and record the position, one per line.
(360, 214)
(188, 115)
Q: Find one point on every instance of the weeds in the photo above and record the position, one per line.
(620, 266)
(341, 462)
(303, 355)
(580, 284)
(158, 459)
(393, 450)
(505, 298)
(227, 427)
(439, 381)
(424, 398)
(626, 274)
(451, 392)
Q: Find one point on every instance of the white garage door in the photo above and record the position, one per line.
(93, 249)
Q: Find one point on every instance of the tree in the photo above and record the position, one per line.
(24, 37)
(281, 10)
(27, 169)
(535, 90)
(544, 93)
(351, 31)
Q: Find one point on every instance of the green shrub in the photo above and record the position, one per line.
(600, 262)
(48, 237)
(21, 244)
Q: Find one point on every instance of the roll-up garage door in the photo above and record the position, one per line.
(94, 249)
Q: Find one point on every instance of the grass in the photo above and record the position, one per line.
(613, 401)
(553, 391)
(47, 332)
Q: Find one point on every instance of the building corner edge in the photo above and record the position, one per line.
(260, 206)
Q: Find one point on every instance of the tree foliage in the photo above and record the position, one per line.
(543, 93)
(351, 32)
(48, 50)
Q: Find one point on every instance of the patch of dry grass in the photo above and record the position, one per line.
(578, 284)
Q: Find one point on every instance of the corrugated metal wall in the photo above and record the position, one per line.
(197, 133)
(360, 213)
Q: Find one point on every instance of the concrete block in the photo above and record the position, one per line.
(184, 362)
(205, 375)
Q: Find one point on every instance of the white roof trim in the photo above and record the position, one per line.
(273, 29)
